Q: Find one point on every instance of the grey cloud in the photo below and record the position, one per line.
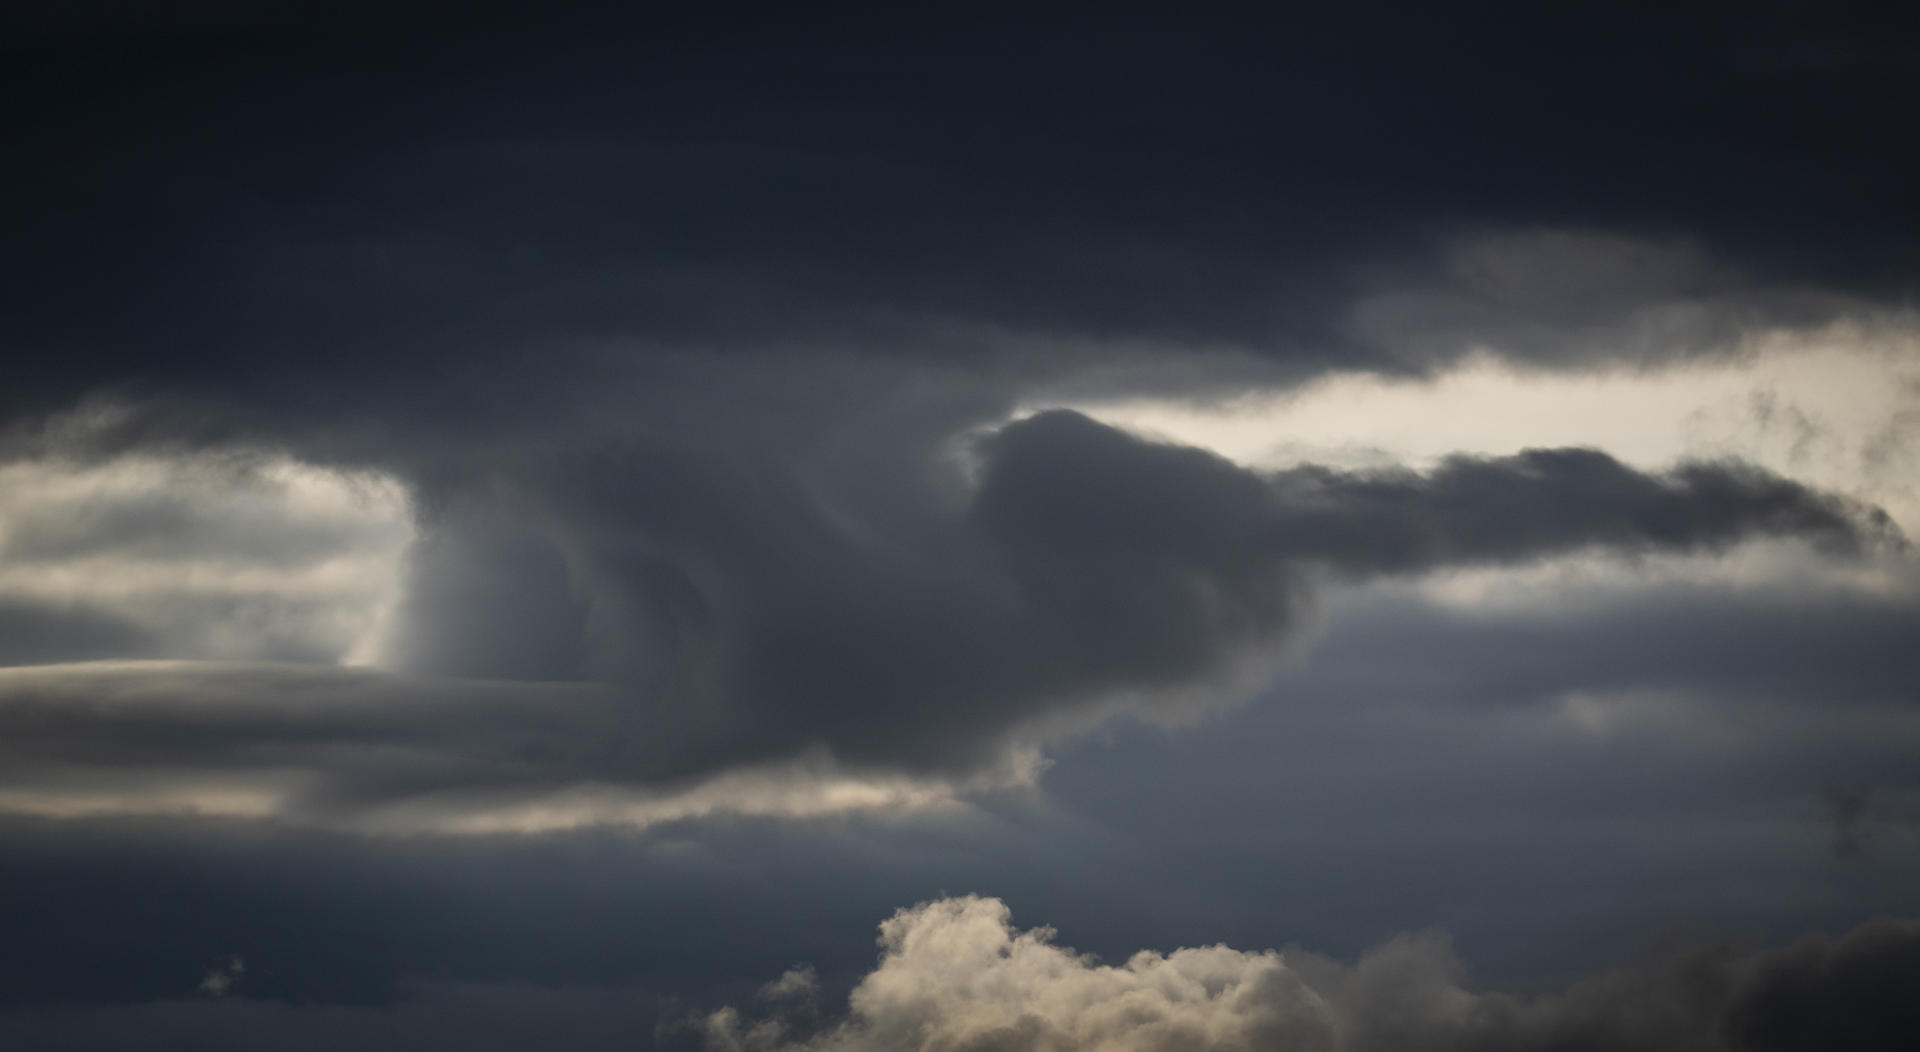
(1569, 298)
(32, 632)
(743, 617)
(231, 527)
(488, 598)
(669, 324)
(1058, 476)
(316, 740)
(1851, 992)
(1799, 643)
(1547, 774)
(266, 237)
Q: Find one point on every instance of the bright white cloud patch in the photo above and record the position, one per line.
(956, 976)
(1838, 408)
(242, 558)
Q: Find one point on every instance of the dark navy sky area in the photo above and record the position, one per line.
(1351, 529)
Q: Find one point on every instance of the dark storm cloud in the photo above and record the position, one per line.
(667, 324)
(674, 330)
(1414, 769)
(1058, 482)
(1105, 562)
(1850, 992)
(338, 211)
(746, 621)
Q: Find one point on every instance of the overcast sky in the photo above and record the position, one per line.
(1373, 528)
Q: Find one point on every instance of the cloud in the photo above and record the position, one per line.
(221, 977)
(1561, 297)
(747, 635)
(375, 752)
(796, 982)
(1084, 564)
(662, 343)
(1833, 993)
(1145, 183)
(955, 974)
(241, 555)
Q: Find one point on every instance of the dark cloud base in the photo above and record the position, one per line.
(678, 329)
(1088, 565)
(257, 209)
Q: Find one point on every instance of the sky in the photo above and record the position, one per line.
(1014, 529)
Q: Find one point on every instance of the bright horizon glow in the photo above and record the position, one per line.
(1835, 410)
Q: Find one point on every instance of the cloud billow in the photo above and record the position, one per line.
(734, 621)
(446, 421)
(1106, 563)
(954, 974)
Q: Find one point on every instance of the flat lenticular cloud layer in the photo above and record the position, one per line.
(366, 751)
(955, 974)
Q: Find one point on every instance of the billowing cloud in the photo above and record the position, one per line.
(1088, 564)
(955, 974)
(1090, 571)
(443, 420)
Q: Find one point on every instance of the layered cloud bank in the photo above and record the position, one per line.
(955, 974)
(513, 518)
(718, 403)
(1088, 571)
(244, 556)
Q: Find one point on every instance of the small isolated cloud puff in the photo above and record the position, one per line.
(955, 975)
(221, 977)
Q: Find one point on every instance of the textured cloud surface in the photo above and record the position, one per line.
(517, 520)
(1091, 570)
(955, 974)
(248, 557)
